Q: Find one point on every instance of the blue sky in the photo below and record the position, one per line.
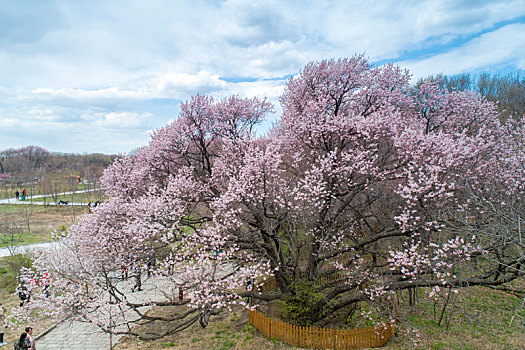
(99, 76)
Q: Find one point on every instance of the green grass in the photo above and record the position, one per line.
(18, 208)
(8, 280)
(25, 239)
(480, 319)
(8, 191)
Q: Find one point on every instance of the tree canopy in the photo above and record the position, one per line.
(365, 182)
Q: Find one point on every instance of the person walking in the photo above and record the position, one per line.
(30, 337)
(22, 343)
(45, 281)
(151, 264)
(138, 280)
(17, 195)
(124, 273)
(171, 263)
(23, 294)
(23, 195)
(3, 324)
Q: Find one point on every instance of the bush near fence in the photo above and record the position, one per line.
(321, 338)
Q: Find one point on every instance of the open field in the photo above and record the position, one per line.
(42, 220)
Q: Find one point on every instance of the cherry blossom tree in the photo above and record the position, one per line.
(159, 208)
(364, 188)
(388, 182)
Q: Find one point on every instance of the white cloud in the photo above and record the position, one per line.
(105, 68)
(500, 47)
(271, 89)
(9, 122)
(83, 94)
(183, 83)
(122, 120)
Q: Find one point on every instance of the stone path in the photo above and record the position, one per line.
(78, 335)
(75, 335)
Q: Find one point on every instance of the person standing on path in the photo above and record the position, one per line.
(23, 294)
(151, 264)
(171, 263)
(30, 337)
(44, 282)
(17, 195)
(138, 280)
(124, 273)
(23, 194)
(3, 324)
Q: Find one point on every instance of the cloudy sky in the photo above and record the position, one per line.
(99, 76)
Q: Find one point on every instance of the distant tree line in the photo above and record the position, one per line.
(506, 90)
(33, 163)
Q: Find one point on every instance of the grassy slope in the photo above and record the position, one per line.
(224, 332)
(480, 319)
(10, 299)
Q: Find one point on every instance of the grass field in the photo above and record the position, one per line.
(42, 220)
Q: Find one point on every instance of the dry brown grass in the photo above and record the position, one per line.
(42, 219)
(225, 331)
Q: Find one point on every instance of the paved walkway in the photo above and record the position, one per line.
(25, 248)
(28, 199)
(85, 336)
(75, 336)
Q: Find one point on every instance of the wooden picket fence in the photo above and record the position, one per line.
(321, 338)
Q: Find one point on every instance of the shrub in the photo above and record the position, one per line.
(306, 305)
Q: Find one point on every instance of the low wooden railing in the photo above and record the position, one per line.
(321, 338)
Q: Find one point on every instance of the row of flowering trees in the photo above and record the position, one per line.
(365, 182)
